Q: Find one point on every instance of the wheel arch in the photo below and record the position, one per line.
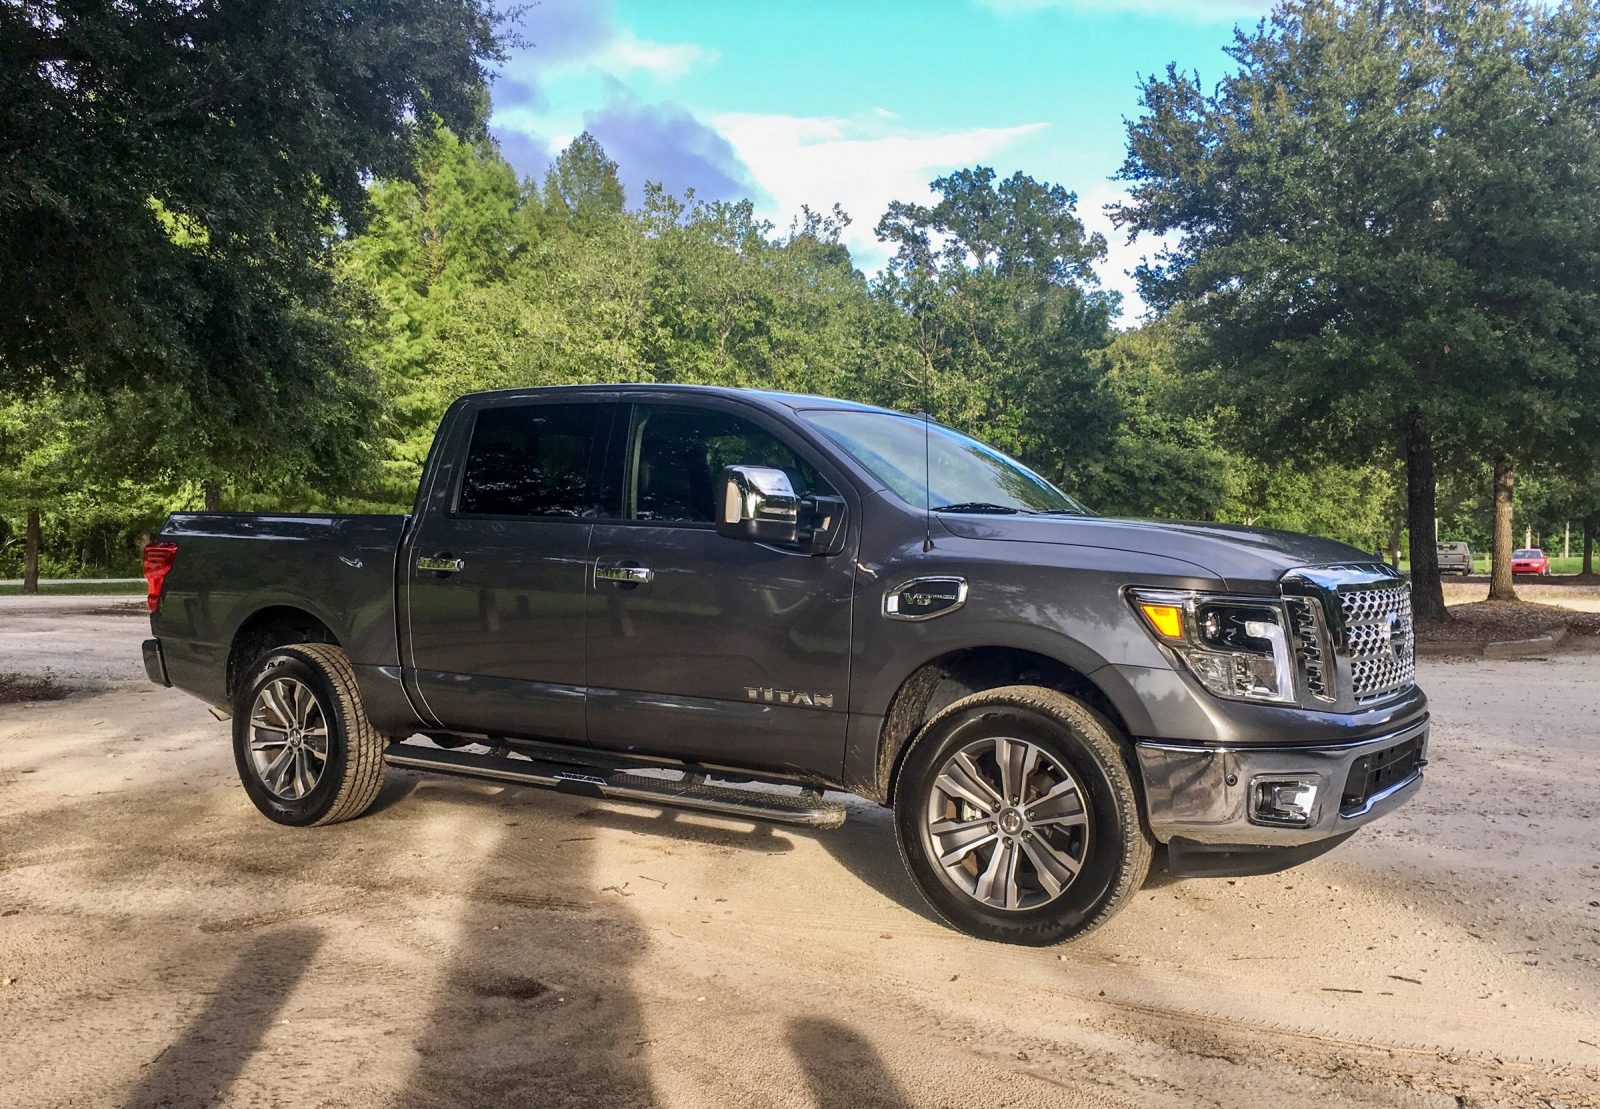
(941, 681)
(272, 626)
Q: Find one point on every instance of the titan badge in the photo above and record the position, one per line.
(789, 697)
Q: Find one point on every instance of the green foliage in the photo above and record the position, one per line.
(1355, 504)
(170, 172)
(456, 228)
(999, 312)
(91, 519)
(1164, 458)
(1272, 392)
(1390, 207)
(172, 177)
(583, 186)
(1387, 227)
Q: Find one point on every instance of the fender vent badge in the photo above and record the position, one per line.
(925, 598)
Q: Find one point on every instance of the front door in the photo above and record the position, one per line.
(498, 573)
(706, 648)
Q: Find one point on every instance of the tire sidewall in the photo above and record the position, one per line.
(288, 663)
(1081, 906)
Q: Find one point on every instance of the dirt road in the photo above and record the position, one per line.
(162, 944)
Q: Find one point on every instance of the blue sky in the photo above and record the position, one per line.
(858, 103)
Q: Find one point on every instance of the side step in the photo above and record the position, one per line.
(806, 809)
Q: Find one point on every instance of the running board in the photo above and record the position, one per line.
(806, 809)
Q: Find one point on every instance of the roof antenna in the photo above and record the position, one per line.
(927, 462)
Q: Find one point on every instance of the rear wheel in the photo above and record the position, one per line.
(306, 752)
(1017, 817)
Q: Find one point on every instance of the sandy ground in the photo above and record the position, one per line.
(162, 944)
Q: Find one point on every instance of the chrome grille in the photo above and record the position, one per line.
(1379, 641)
(1309, 651)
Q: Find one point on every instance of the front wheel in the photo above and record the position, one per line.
(1016, 815)
(306, 752)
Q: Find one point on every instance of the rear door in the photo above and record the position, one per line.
(496, 579)
(707, 648)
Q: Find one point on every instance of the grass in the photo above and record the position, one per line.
(1558, 565)
(81, 589)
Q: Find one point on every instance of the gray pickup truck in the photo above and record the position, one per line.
(733, 601)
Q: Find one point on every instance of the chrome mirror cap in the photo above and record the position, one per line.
(757, 503)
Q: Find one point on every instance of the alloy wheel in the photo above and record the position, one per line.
(288, 738)
(1007, 824)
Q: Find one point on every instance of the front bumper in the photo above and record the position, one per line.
(1200, 795)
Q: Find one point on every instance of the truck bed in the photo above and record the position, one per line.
(233, 565)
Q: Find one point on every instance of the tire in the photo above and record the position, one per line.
(1107, 841)
(329, 777)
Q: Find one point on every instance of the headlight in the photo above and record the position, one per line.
(1236, 647)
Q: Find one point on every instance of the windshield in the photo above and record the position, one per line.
(963, 475)
(1528, 552)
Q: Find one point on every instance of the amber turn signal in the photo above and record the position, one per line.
(1166, 619)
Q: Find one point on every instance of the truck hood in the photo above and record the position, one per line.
(1243, 558)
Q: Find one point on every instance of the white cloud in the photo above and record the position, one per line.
(860, 162)
(1196, 11)
(583, 36)
(627, 53)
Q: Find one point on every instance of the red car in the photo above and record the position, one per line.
(1530, 560)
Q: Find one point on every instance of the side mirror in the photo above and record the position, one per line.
(757, 503)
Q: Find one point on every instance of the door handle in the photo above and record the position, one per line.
(440, 565)
(625, 575)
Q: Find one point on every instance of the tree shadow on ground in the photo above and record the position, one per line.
(201, 1065)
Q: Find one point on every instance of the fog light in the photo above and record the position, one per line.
(1286, 802)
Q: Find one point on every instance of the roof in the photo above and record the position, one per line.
(769, 398)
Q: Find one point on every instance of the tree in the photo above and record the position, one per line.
(583, 184)
(1386, 232)
(1163, 459)
(1000, 311)
(35, 455)
(1565, 494)
(1350, 503)
(457, 227)
(171, 174)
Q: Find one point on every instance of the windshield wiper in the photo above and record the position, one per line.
(978, 507)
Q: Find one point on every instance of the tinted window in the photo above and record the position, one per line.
(537, 460)
(680, 452)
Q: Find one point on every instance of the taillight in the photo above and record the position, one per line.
(158, 559)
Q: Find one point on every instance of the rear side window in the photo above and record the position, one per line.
(680, 452)
(538, 460)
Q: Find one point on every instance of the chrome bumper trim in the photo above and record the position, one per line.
(1201, 792)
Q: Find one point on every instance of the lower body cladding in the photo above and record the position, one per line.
(1231, 811)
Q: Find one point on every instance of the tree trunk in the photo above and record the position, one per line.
(1394, 546)
(213, 496)
(1590, 523)
(30, 553)
(1501, 586)
(1427, 589)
